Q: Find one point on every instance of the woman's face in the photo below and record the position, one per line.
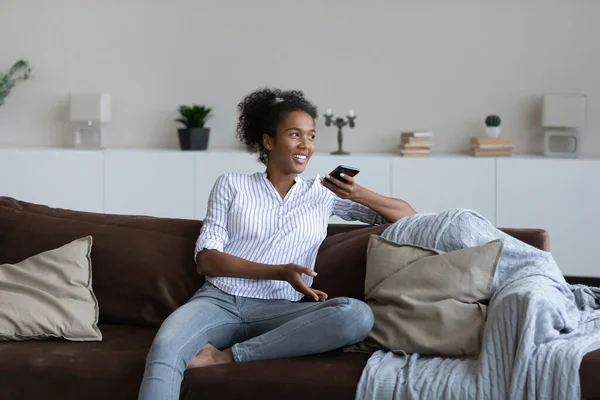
(294, 143)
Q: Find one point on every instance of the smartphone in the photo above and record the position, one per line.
(352, 171)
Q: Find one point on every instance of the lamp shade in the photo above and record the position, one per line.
(93, 107)
(563, 110)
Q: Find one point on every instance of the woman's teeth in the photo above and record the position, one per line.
(300, 157)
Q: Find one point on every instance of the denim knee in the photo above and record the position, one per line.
(356, 319)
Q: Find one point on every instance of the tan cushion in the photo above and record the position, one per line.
(426, 301)
(50, 295)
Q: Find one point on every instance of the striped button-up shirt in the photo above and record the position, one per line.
(247, 218)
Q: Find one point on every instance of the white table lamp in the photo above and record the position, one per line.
(90, 112)
(563, 119)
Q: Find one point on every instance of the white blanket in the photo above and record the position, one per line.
(537, 331)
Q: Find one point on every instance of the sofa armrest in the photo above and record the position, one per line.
(535, 237)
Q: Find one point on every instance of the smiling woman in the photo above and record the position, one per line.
(280, 127)
(265, 113)
(257, 249)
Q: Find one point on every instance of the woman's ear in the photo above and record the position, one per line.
(267, 142)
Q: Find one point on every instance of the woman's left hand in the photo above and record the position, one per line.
(344, 190)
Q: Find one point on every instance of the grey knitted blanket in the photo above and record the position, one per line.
(537, 331)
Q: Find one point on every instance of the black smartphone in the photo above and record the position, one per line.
(352, 171)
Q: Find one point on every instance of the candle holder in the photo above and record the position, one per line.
(340, 123)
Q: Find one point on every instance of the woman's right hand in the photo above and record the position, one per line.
(292, 273)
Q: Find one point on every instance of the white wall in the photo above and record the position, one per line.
(439, 65)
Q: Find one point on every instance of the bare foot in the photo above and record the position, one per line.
(210, 355)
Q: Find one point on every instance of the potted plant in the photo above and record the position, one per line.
(492, 124)
(21, 71)
(194, 136)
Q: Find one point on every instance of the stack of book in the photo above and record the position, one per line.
(491, 147)
(415, 144)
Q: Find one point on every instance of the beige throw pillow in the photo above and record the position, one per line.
(50, 295)
(426, 301)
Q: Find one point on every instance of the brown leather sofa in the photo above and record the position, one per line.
(143, 269)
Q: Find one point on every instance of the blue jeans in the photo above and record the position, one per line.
(255, 329)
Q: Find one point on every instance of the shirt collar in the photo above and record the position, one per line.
(297, 179)
(289, 195)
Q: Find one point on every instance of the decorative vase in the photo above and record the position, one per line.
(493, 131)
(193, 139)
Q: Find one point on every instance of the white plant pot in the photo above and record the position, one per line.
(493, 131)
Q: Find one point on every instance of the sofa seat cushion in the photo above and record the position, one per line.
(59, 369)
(334, 375)
(113, 369)
(331, 376)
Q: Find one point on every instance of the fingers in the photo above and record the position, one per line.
(306, 271)
(305, 290)
(322, 295)
(340, 189)
(329, 185)
(332, 187)
(299, 285)
(342, 185)
(349, 179)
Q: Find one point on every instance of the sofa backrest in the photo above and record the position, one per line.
(143, 267)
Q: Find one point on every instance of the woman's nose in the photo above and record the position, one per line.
(304, 143)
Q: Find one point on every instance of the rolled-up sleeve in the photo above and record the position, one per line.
(349, 210)
(213, 234)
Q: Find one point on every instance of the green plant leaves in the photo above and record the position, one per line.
(194, 116)
(493, 120)
(20, 71)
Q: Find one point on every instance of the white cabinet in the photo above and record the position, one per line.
(156, 183)
(54, 177)
(435, 184)
(561, 196)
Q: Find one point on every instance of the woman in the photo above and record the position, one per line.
(257, 248)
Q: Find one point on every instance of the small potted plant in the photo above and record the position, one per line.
(493, 127)
(194, 136)
(20, 71)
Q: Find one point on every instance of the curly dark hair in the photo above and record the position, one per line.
(260, 112)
